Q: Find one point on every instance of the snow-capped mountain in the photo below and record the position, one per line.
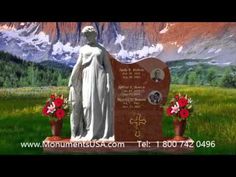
(127, 41)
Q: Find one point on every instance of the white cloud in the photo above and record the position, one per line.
(164, 30)
(60, 48)
(119, 39)
(138, 54)
(180, 49)
(33, 38)
(218, 50)
(211, 50)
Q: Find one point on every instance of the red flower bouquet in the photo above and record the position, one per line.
(180, 107)
(56, 107)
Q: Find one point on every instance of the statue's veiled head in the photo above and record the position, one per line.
(90, 34)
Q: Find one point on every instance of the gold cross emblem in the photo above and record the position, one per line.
(137, 121)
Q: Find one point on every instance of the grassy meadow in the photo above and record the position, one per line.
(21, 119)
(214, 118)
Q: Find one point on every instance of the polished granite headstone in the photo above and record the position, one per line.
(141, 89)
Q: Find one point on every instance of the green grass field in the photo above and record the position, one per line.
(214, 118)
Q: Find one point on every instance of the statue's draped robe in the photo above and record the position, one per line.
(91, 95)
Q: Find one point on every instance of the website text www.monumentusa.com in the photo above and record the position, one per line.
(75, 144)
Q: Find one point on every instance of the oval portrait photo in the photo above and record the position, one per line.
(154, 97)
(157, 75)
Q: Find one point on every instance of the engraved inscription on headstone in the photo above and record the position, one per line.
(141, 89)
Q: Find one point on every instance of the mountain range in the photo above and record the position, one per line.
(126, 41)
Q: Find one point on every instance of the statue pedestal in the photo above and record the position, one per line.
(165, 145)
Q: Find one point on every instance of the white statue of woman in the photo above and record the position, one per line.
(91, 92)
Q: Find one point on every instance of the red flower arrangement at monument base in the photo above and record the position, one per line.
(180, 108)
(56, 108)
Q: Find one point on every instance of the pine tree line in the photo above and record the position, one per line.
(15, 72)
(206, 75)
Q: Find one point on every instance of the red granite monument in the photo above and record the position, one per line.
(140, 90)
